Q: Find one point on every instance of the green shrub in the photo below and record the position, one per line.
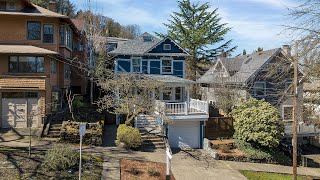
(60, 157)
(78, 102)
(258, 122)
(153, 172)
(129, 136)
(263, 153)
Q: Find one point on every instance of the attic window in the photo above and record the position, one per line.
(248, 60)
(147, 39)
(167, 47)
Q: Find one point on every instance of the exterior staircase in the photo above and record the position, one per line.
(54, 130)
(151, 134)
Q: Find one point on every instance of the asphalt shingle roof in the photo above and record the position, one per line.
(240, 68)
(136, 46)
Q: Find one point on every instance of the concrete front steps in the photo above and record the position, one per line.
(150, 133)
(54, 130)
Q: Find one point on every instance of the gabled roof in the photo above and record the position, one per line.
(138, 47)
(240, 68)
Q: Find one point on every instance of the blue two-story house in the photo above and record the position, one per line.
(164, 60)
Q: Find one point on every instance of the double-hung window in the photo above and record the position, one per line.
(166, 66)
(12, 6)
(65, 36)
(136, 65)
(26, 64)
(34, 30)
(259, 89)
(48, 32)
(287, 113)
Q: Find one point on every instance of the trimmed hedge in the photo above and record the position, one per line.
(129, 136)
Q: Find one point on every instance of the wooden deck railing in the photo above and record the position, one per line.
(195, 106)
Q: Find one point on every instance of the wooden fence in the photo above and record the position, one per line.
(219, 127)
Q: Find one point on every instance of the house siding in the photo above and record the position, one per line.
(159, 48)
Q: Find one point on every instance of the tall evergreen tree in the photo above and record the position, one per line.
(199, 30)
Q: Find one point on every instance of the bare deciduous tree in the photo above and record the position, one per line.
(128, 94)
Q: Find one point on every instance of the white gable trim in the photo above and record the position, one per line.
(214, 70)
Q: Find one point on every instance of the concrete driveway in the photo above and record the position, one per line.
(198, 165)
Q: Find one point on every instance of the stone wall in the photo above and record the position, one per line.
(207, 147)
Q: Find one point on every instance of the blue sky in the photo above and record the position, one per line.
(255, 23)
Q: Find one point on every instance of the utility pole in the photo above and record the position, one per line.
(295, 97)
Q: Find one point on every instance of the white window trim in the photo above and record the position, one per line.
(282, 110)
(166, 58)
(131, 64)
(265, 89)
(183, 66)
(164, 47)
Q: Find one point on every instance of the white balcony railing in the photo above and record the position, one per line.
(195, 106)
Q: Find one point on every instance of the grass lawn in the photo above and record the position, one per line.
(253, 175)
(16, 164)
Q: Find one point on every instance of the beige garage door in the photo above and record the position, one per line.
(17, 111)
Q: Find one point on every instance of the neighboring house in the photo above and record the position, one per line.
(311, 93)
(115, 42)
(36, 45)
(264, 75)
(164, 60)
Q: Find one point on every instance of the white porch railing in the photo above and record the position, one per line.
(195, 106)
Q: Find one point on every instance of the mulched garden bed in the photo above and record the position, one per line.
(16, 164)
(143, 170)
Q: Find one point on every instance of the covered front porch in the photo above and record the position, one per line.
(174, 98)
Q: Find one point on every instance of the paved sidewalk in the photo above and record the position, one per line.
(271, 168)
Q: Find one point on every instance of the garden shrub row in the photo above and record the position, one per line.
(70, 133)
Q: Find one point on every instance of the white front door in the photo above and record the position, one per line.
(184, 134)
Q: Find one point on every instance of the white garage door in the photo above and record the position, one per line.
(16, 111)
(184, 135)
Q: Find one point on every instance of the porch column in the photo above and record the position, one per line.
(188, 94)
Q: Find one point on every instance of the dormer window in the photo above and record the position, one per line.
(147, 39)
(3, 5)
(167, 47)
(12, 6)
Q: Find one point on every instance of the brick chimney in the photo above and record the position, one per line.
(52, 6)
(286, 49)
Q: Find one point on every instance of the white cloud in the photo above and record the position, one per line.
(274, 3)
